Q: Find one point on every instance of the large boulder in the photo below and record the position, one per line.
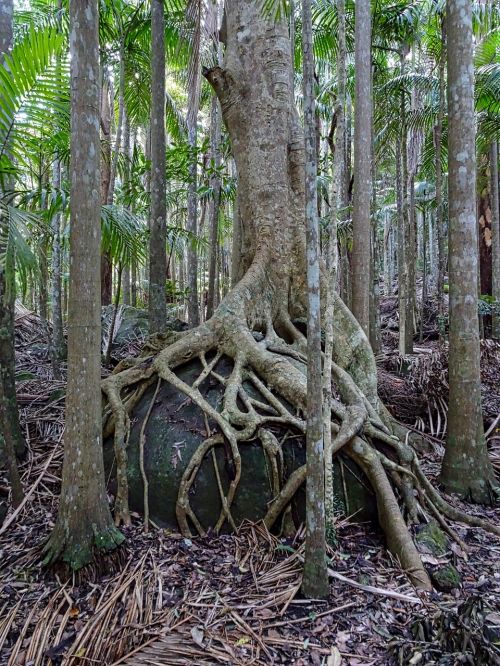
(176, 427)
(131, 327)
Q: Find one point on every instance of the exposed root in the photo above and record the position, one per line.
(267, 387)
(142, 442)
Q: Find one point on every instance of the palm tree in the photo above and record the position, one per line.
(84, 524)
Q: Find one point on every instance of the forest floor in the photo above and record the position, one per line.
(235, 599)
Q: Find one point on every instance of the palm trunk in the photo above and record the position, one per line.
(424, 274)
(466, 467)
(56, 276)
(192, 203)
(7, 281)
(10, 452)
(119, 128)
(441, 267)
(495, 240)
(106, 105)
(112, 326)
(84, 524)
(158, 228)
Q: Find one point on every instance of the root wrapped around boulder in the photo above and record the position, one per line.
(232, 392)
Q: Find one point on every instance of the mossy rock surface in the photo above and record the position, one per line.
(176, 428)
(431, 539)
(132, 323)
(446, 578)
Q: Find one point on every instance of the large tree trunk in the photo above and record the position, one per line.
(84, 524)
(158, 228)
(362, 169)
(256, 328)
(466, 467)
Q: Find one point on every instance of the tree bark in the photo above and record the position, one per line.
(214, 205)
(315, 579)
(84, 524)
(7, 278)
(106, 106)
(466, 467)
(331, 262)
(119, 127)
(495, 240)
(362, 168)
(158, 228)
(56, 274)
(257, 325)
(438, 130)
(192, 202)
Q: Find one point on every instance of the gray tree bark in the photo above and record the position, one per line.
(466, 467)
(495, 240)
(438, 131)
(158, 225)
(84, 524)
(192, 202)
(362, 168)
(315, 579)
(215, 131)
(106, 112)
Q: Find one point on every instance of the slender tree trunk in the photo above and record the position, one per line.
(58, 342)
(388, 258)
(43, 299)
(119, 128)
(362, 168)
(315, 579)
(438, 131)
(466, 466)
(214, 205)
(424, 273)
(192, 202)
(7, 279)
(158, 229)
(331, 263)
(56, 276)
(10, 452)
(495, 240)
(106, 107)
(374, 312)
(84, 524)
(401, 254)
(126, 150)
(345, 262)
(112, 326)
